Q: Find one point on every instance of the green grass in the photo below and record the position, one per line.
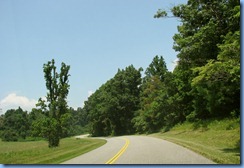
(218, 140)
(37, 152)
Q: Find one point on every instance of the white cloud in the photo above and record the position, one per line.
(13, 101)
(174, 64)
(90, 92)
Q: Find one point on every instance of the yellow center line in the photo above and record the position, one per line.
(122, 150)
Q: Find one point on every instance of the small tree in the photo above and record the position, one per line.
(58, 89)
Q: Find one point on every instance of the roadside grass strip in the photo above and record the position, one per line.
(122, 150)
(218, 140)
(37, 152)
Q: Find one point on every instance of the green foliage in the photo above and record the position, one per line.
(218, 82)
(73, 123)
(203, 26)
(155, 103)
(56, 115)
(207, 77)
(15, 125)
(156, 68)
(206, 82)
(10, 135)
(111, 108)
(160, 13)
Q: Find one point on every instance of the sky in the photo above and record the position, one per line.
(94, 37)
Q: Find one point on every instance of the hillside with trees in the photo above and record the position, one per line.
(205, 84)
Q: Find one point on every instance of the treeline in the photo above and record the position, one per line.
(205, 83)
(20, 125)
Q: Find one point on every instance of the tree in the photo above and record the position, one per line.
(151, 115)
(74, 122)
(56, 114)
(1, 123)
(15, 125)
(111, 108)
(156, 68)
(204, 84)
(208, 70)
(218, 82)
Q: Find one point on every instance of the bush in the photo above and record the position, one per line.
(9, 135)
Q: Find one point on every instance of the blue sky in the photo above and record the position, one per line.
(94, 37)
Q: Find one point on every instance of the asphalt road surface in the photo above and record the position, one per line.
(139, 150)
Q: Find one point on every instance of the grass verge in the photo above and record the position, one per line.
(37, 152)
(218, 140)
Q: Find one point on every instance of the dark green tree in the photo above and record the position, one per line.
(1, 124)
(204, 80)
(75, 122)
(204, 25)
(15, 125)
(111, 108)
(218, 82)
(149, 118)
(56, 108)
(151, 115)
(156, 68)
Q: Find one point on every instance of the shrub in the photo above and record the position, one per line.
(9, 135)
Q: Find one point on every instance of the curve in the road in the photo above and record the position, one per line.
(100, 155)
(150, 150)
(122, 150)
(139, 150)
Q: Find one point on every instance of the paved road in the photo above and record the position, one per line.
(139, 150)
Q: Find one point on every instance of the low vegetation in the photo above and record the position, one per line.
(37, 152)
(218, 140)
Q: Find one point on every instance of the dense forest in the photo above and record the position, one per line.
(205, 83)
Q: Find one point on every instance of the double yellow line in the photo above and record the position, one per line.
(122, 150)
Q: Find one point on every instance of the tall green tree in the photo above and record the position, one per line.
(151, 115)
(156, 68)
(149, 118)
(56, 109)
(126, 89)
(111, 108)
